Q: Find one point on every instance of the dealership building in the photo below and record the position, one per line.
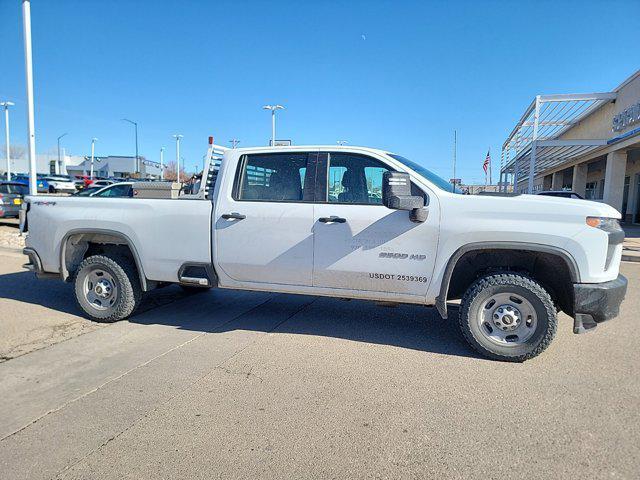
(588, 143)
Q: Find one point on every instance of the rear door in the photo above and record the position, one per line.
(264, 225)
(362, 245)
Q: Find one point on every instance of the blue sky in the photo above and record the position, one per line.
(394, 75)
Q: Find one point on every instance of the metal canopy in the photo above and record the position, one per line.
(533, 144)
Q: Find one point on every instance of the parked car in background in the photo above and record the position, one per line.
(86, 192)
(61, 184)
(11, 195)
(122, 189)
(42, 185)
(102, 183)
(83, 181)
(561, 193)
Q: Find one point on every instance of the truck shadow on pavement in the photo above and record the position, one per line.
(59, 296)
(405, 326)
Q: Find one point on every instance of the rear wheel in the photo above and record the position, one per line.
(107, 288)
(508, 317)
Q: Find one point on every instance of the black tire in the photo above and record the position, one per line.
(127, 290)
(52, 190)
(477, 332)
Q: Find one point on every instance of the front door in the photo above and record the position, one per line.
(359, 244)
(264, 230)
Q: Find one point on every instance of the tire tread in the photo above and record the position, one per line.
(129, 287)
(522, 281)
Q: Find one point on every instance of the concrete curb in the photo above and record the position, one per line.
(631, 257)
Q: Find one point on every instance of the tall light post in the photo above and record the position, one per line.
(6, 106)
(234, 142)
(273, 109)
(341, 143)
(28, 67)
(178, 137)
(135, 124)
(93, 148)
(59, 162)
(161, 163)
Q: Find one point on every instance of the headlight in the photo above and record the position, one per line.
(604, 223)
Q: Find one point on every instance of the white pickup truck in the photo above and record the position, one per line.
(344, 222)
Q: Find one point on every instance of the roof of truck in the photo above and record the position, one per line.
(346, 148)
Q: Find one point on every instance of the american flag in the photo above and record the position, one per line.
(487, 162)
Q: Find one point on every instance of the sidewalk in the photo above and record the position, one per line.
(631, 246)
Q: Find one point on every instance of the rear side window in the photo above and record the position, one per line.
(273, 177)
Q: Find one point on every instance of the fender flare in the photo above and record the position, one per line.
(102, 231)
(441, 299)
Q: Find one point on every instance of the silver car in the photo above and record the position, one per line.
(11, 195)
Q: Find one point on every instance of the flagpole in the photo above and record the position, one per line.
(455, 140)
(490, 176)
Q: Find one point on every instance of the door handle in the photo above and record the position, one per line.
(332, 219)
(233, 215)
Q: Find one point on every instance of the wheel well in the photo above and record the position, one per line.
(550, 270)
(79, 246)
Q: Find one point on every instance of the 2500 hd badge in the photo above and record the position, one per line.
(402, 256)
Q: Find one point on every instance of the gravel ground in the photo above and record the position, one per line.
(10, 237)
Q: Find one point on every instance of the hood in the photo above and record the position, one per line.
(589, 207)
(531, 208)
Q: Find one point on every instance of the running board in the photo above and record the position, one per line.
(203, 282)
(197, 274)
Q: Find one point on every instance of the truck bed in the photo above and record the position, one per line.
(169, 232)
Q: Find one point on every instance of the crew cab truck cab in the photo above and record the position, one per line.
(343, 222)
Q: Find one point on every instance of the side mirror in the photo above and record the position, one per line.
(396, 194)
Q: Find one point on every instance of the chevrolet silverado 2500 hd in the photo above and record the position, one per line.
(343, 222)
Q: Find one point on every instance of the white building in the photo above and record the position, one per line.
(109, 166)
(588, 143)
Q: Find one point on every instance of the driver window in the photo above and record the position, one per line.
(355, 179)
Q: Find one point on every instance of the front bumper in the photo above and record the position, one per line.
(596, 302)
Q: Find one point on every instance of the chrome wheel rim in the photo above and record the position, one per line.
(100, 289)
(507, 319)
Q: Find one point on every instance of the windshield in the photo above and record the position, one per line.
(428, 174)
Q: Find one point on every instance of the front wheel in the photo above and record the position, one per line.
(508, 317)
(107, 288)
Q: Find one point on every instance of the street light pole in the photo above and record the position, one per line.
(93, 146)
(135, 124)
(26, 30)
(273, 109)
(234, 142)
(59, 162)
(341, 143)
(178, 137)
(6, 106)
(161, 163)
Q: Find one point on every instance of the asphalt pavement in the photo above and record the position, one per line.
(229, 384)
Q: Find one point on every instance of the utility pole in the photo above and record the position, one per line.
(26, 30)
(6, 106)
(135, 124)
(273, 109)
(93, 147)
(161, 163)
(178, 137)
(59, 162)
(234, 142)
